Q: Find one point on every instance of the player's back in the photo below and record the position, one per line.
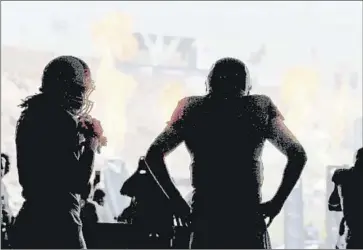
(225, 139)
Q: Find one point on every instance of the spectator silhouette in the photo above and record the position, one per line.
(99, 197)
(5, 164)
(54, 158)
(347, 197)
(102, 213)
(6, 215)
(225, 132)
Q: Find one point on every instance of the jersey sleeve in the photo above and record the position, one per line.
(339, 176)
(178, 113)
(272, 110)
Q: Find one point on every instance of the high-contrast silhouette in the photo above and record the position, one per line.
(347, 197)
(149, 211)
(225, 132)
(54, 158)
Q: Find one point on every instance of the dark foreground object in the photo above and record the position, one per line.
(126, 236)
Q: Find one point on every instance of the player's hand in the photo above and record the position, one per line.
(92, 130)
(182, 212)
(270, 210)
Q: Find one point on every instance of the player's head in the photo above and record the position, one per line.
(67, 80)
(228, 77)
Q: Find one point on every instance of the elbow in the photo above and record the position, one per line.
(303, 156)
(154, 154)
(298, 155)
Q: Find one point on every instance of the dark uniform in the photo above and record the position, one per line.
(225, 139)
(48, 150)
(89, 219)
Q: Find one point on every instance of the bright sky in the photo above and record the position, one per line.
(288, 29)
(31, 23)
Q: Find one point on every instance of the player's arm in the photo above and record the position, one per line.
(334, 200)
(166, 142)
(285, 141)
(334, 203)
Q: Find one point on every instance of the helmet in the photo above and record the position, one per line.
(68, 79)
(90, 87)
(229, 76)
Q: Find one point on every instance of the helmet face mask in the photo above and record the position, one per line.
(67, 81)
(86, 105)
(76, 98)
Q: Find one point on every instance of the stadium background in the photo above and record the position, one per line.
(144, 58)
